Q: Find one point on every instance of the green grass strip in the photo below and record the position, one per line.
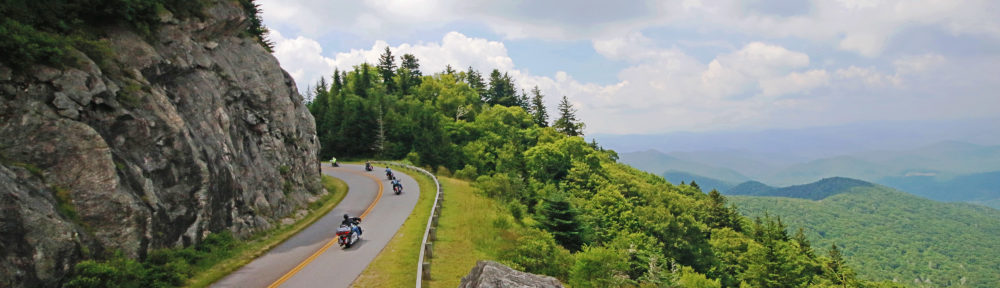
(396, 265)
(465, 233)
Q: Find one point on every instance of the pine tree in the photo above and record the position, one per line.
(337, 82)
(448, 70)
(501, 91)
(409, 74)
(476, 82)
(538, 112)
(387, 68)
(559, 218)
(805, 247)
(363, 82)
(567, 122)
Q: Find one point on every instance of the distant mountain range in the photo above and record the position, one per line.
(887, 234)
(946, 171)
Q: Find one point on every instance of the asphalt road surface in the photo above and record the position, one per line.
(312, 257)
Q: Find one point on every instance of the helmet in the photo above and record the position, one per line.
(346, 217)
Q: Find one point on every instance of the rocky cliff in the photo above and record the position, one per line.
(191, 131)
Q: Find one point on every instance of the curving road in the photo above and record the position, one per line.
(312, 257)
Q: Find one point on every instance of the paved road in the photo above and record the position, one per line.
(334, 267)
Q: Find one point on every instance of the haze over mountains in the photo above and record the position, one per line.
(945, 161)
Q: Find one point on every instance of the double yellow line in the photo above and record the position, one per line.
(329, 243)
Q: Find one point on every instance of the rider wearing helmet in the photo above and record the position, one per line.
(353, 223)
(396, 183)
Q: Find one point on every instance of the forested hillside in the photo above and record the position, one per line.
(891, 235)
(582, 217)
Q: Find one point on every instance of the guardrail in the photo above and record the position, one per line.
(430, 233)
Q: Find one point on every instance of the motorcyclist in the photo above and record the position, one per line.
(388, 172)
(396, 183)
(333, 162)
(353, 223)
(368, 165)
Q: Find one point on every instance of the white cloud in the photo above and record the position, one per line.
(794, 83)
(868, 76)
(861, 26)
(918, 63)
(302, 57)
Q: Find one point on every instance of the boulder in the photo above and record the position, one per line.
(489, 274)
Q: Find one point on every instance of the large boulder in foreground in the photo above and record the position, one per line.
(489, 274)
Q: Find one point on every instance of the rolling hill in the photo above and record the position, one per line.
(655, 162)
(982, 188)
(890, 235)
(813, 191)
(706, 183)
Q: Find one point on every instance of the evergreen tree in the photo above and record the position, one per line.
(719, 215)
(337, 82)
(501, 91)
(409, 74)
(559, 218)
(805, 247)
(387, 68)
(567, 122)
(538, 112)
(836, 271)
(448, 70)
(363, 82)
(695, 186)
(524, 102)
(476, 82)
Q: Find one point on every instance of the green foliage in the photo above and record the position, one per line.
(64, 203)
(161, 268)
(886, 235)
(599, 267)
(256, 29)
(560, 218)
(536, 251)
(567, 122)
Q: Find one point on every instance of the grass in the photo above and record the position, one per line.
(246, 251)
(465, 235)
(396, 265)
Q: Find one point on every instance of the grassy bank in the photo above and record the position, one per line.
(466, 233)
(247, 251)
(396, 265)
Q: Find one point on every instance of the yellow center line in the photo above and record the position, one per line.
(329, 243)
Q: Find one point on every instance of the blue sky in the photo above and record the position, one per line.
(644, 67)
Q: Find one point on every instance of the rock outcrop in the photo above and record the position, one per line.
(195, 132)
(489, 274)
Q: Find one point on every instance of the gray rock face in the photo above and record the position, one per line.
(197, 132)
(489, 274)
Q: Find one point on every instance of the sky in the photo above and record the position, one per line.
(649, 67)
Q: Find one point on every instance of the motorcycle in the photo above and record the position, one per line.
(368, 167)
(388, 174)
(398, 189)
(347, 236)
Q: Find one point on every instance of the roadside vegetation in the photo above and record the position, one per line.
(204, 263)
(396, 265)
(470, 228)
